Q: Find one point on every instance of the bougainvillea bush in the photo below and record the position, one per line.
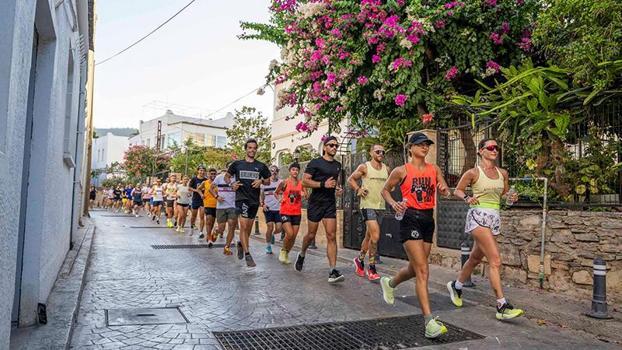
(380, 63)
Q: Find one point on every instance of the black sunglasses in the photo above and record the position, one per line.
(492, 148)
(379, 151)
(333, 145)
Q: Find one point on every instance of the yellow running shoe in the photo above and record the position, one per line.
(282, 256)
(286, 260)
(387, 290)
(434, 329)
(454, 294)
(508, 312)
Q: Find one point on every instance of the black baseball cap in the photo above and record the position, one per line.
(330, 138)
(419, 138)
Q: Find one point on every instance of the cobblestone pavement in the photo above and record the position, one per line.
(217, 292)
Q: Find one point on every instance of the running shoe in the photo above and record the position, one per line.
(335, 277)
(282, 256)
(508, 312)
(300, 261)
(387, 290)
(359, 267)
(152, 217)
(454, 294)
(169, 223)
(269, 249)
(158, 220)
(227, 251)
(287, 262)
(210, 244)
(240, 251)
(137, 215)
(249, 261)
(372, 275)
(201, 236)
(434, 329)
(192, 227)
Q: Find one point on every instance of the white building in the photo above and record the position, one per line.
(107, 149)
(285, 138)
(44, 48)
(176, 129)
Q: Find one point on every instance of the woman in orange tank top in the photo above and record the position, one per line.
(418, 182)
(291, 209)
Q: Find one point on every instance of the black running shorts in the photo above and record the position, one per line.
(245, 210)
(292, 219)
(316, 211)
(417, 225)
(210, 211)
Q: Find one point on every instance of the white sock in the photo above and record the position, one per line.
(500, 302)
(458, 284)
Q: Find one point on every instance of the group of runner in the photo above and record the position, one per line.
(236, 195)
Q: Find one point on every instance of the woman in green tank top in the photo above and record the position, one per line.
(489, 183)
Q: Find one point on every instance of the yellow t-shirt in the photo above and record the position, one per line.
(209, 201)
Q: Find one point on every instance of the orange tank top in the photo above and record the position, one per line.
(291, 203)
(419, 187)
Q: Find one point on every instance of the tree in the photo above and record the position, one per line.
(389, 64)
(250, 123)
(186, 159)
(140, 161)
(304, 154)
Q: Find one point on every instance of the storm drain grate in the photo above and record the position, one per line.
(144, 316)
(186, 246)
(438, 302)
(385, 333)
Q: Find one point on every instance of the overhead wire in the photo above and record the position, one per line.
(147, 35)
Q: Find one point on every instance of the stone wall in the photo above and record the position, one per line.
(572, 240)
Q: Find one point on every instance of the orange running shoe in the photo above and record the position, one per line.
(227, 251)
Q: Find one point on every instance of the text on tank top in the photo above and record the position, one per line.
(291, 203)
(374, 182)
(157, 194)
(419, 187)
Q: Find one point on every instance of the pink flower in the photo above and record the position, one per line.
(451, 73)
(372, 40)
(413, 38)
(440, 24)
(343, 55)
(401, 3)
(426, 118)
(400, 62)
(302, 127)
(505, 27)
(525, 44)
(496, 38)
(336, 32)
(375, 59)
(520, 2)
(317, 87)
(400, 100)
(362, 80)
(391, 21)
(453, 4)
(380, 48)
(339, 109)
(493, 66)
(280, 79)
(330, 78)
(491, 3)
(320, 43)
(316, 56)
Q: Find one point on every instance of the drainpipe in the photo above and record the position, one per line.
(543, 227)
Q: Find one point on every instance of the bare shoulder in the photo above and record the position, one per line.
(505, 173)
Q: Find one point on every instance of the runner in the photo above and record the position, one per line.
(209, 206)
(418, 182)
(373, 175)
(184, 196)
(137, 199)
(489, 183)
(197, 200)
(271, 206)
(117, 193)
(321, 174)
(127, 198)
(250, 174)
(226, 214)
(291, 209)
(158, 197)
(110, 198)
(92, 196)
(147, 196)
(170, 188)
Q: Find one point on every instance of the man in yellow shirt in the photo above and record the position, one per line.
(209, 205)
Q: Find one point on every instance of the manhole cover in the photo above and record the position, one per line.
(186, 246)
(132, 317)
(438, 302)
(385, 333)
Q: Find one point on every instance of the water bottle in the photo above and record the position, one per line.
(508, 199)
(400, 215)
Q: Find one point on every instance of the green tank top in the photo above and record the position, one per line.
(374, 182)
(488, 191)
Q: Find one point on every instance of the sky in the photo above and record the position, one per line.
(194, 65)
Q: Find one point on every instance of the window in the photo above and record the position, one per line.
(173, 138)
(67, 140)
(221, 141)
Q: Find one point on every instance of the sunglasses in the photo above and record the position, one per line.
(333, 145)
(379, 151)
(492, 148)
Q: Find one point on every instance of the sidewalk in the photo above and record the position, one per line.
(64, 300)
(218, 293)
(543, 307)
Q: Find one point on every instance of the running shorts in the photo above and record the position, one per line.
(170, 203)
(245, 210)
(183, 205)
(272, 216)
(292, 219)
(139, 203)
(223, 215)
(156, 203)
(210, 211)
(322, 210)
(372, 215)
(483, 217)
(196, 204)
(417, 225)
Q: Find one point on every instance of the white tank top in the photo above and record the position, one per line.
(158, 194)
